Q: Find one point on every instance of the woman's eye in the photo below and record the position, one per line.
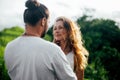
(54, 28)
(60, 27)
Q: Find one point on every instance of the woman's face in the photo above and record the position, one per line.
(59, 32)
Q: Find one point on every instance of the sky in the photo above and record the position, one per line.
(11, 11)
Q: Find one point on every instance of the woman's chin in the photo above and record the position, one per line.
(58, 39)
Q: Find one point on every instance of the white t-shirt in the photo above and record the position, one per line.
(32, 58)
(70, 58)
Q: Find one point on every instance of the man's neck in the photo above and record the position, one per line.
(31, 31)
(31, 34)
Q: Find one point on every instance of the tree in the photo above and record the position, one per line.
(101, 38)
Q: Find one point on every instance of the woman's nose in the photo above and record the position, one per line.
(57, 30)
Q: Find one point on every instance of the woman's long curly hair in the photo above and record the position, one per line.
(74, 40)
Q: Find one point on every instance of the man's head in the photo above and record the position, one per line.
(36, 15)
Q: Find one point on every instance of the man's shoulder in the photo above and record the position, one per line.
(11, 44)
(51, 45)
(12, 41)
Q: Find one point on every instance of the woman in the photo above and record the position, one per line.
(67, 35)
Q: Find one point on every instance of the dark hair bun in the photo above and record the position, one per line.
(31, 4)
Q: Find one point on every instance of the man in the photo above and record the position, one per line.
(29, 57)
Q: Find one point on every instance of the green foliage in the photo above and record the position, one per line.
(3, 70)
(102, 41)
(95, 71)
(49, 35)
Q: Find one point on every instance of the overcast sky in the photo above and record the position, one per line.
(11, 11)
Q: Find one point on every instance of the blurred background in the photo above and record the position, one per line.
(99, 22)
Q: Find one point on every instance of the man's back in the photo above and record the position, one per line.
(32, 58)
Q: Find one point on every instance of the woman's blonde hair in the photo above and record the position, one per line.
(74, 40)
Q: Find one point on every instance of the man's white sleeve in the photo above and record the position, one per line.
(62, 67)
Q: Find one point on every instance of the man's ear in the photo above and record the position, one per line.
(43, 21)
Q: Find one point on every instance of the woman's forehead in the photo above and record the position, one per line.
(58, 23)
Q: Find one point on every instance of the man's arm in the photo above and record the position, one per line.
(62, 67)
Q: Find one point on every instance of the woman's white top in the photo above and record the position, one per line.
(70, 57)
